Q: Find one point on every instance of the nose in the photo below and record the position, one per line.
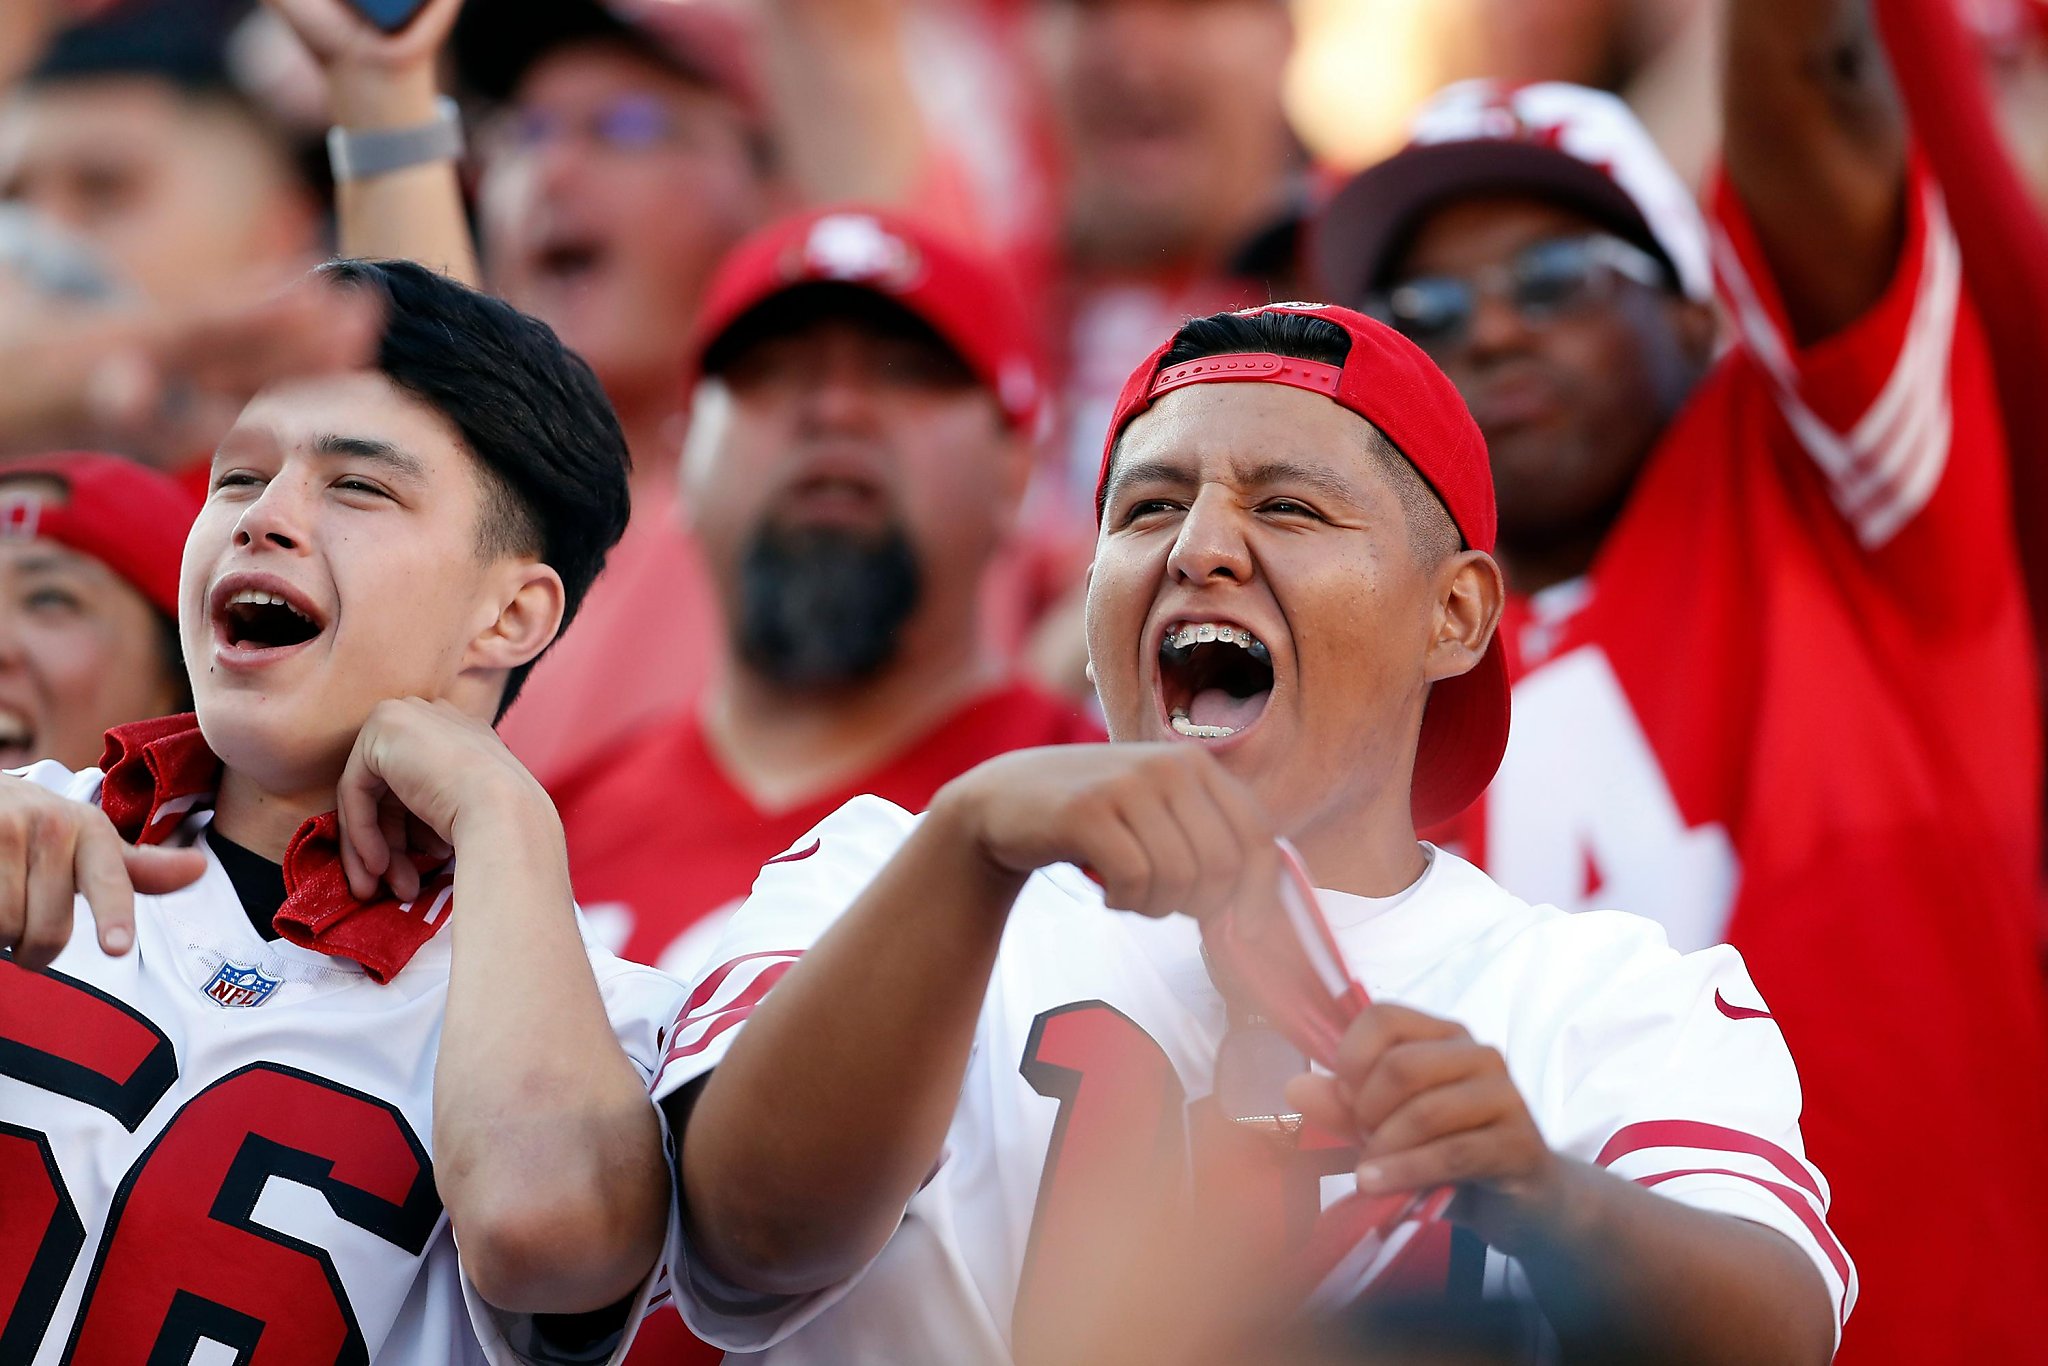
(1211, 544)
(1497, 326)
(839, 394)
(274, 522)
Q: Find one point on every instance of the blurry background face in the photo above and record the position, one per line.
(80, 652)
(1571, 405)
(378, 560)
(611, 189)
(842, 473)
(1171, 118)
(179, 194)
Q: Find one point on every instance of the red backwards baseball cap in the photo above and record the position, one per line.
(130, 518)
(1389, 382)
(965, 298)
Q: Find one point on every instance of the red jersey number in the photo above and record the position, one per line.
(182, 1258)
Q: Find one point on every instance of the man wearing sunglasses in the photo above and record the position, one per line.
(1765, 616)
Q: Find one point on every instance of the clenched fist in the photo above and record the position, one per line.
(1162, 827)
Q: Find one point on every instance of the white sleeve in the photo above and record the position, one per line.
(641, 1002)
(1673, 1074)
(82, 786)
(797, 896)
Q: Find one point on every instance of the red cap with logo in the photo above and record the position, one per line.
(965, 298)
(130, 518)
(1389, 382)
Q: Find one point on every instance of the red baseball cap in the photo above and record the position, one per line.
(1389, 382)
(967, 299)
(127, 516)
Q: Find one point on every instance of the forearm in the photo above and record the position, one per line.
(1814, 142)
(847, 118)
(1627, 1275)
(546, 1147)
(816, 1129)
(415, 213)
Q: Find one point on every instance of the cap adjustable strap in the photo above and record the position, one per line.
(1261, 366)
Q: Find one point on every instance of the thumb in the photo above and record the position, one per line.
(154, 870)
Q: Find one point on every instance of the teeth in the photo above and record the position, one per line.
(1182, 726)
(14, 728)
(252, 597)
(1206, 632)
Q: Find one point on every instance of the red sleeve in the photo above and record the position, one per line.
(1896, 411)
(2004, 240)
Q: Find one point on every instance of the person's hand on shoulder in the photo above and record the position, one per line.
(422, 775)
(1161, 827)
(53, 849)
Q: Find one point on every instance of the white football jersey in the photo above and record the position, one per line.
(1662, 1067)
(216, 1149)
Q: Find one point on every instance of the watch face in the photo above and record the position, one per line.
(389, 15)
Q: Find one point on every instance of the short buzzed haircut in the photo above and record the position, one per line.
(1431, 532)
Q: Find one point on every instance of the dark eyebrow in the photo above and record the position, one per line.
(1326, 482)
(1262, 475)
(369, 448)
(1145, 471)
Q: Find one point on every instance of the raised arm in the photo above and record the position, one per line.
(802, 1148)
(1814, 143)
(845, 114)
(374, 82)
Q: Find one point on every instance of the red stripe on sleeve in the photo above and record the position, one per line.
(1793, 1201)
(708, 988)
(725, 1017)
(1692, 1133)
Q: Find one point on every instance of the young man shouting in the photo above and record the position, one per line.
(216, 1122)
(892, 1086)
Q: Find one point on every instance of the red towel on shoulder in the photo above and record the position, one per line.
(158, 772)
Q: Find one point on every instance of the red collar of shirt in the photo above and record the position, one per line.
(158, 772)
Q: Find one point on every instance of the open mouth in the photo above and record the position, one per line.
(1215, 679)
(17, 738)
(571, 260)
(255, 620)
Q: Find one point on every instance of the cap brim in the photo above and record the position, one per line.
(1464, 735)
(1373, 216)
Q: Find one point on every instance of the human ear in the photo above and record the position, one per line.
(532, 602)
(1469, 597)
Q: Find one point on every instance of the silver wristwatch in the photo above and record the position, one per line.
(359, 153)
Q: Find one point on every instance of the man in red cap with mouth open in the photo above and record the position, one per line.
(925, 1052)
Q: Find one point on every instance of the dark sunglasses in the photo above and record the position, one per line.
(1542, 282)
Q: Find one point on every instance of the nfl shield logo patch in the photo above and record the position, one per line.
(240, 986)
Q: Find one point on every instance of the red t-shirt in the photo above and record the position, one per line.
(1792, 706)
(660, 839)
(663, 848)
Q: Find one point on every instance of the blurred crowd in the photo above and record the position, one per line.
(862, 280)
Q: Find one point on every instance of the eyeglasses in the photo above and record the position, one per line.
(626, 123)
(1543, 282)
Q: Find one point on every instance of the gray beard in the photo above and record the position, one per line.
(820, 607)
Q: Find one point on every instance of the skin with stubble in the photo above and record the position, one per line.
(81, 651)
(1169, 115)
(612, 246)
(179, 194)
(1571, 408)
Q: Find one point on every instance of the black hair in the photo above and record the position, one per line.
(553, 457)
(171, 653)
(1303, 336)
